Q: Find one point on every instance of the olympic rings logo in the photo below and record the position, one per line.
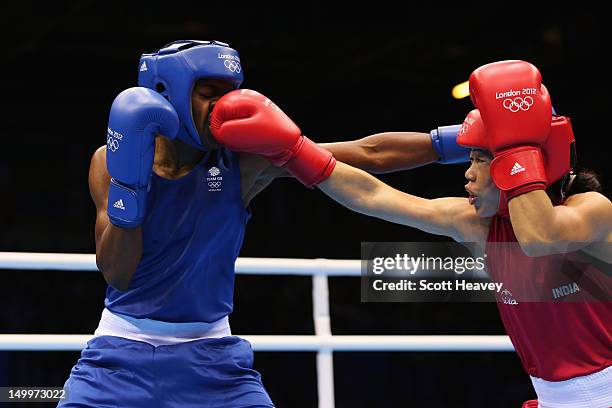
(518, 103)
(112, 144)
(233, 66)
(214, 184)
(466, 125)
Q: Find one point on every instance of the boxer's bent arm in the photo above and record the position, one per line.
(543, 229)
(379, 153)
(365, 194)
(118, 250)
(385, 152)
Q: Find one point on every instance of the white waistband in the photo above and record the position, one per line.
(159, 333)
(589, 391)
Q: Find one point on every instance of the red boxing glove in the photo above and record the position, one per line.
(247, 121)
(530, 404)
(516, 111)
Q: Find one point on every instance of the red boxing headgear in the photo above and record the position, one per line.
(559, 149)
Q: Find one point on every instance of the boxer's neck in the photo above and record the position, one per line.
(174, 158)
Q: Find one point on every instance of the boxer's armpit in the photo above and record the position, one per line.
(256, 173)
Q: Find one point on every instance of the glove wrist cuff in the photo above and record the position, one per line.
(515, 168)
(444, 142)
(311, 164)
(126, 205)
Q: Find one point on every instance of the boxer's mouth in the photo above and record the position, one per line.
(207, 118)
(472, 197)
(207, 138)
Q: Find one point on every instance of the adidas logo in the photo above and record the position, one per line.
(119, 204)
(517, 168)
(143, 67)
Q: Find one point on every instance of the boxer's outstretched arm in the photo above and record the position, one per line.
(365, 194)
(388, 152)
(385, 152)
(118, 250)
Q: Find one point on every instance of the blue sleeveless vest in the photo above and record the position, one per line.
(192, 235)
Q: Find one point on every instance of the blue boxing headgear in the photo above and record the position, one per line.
(174, 69)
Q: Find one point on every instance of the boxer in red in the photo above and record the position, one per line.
(562, 335)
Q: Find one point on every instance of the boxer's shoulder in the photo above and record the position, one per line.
(99, 155)
(252, 166)
(591, 207)
(99, 178)
(593, 198)
(97, 165)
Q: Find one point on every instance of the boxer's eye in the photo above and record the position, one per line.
(206, 92)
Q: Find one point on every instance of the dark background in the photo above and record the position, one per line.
(341, 72)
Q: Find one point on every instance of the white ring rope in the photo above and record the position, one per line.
(73, 342)
(252, 266)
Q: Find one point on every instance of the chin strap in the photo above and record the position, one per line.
(566, 184)
(207, 139)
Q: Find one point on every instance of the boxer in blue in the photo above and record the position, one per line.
(172, 207)
(170, 222)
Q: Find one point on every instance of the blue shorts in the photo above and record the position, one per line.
(117, 372)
